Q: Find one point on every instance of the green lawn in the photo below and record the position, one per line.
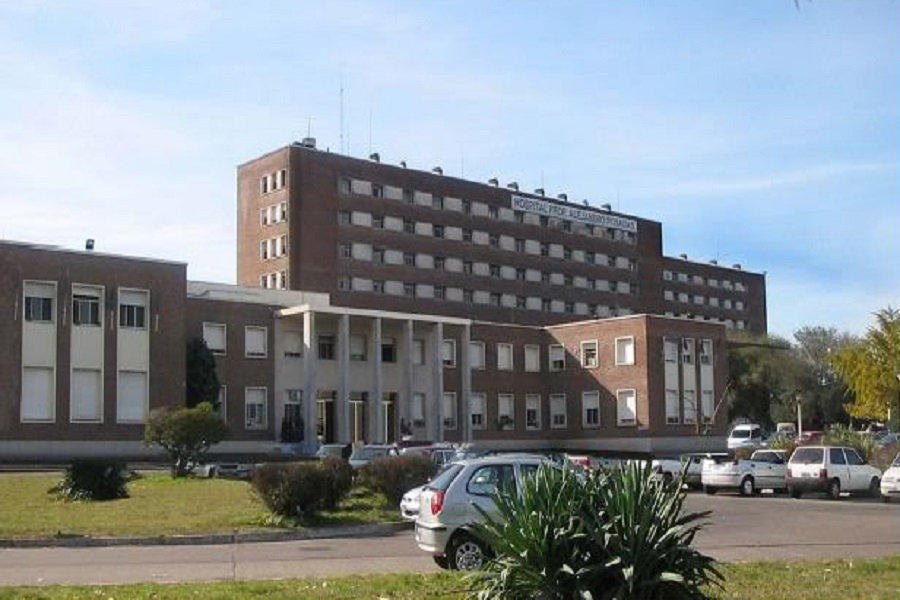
(874, 579)
(158, 505)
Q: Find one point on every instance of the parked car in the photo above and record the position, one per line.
(809, 437)
(691, 464)
(447, 506)
(764, 470)
(339, 450)
(234, 470)
(890, 481)
(366, 454)
(830, 469)
(887, 438)
(748, 435)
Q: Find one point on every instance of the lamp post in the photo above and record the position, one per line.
(799, 417)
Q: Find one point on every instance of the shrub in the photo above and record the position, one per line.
(94, 479)
(841, 435)
(293, 489)
(186, 434)
(783, 442)
(742, 453)
(618, 535)
(393, 476)
(882, 457)
(340, 480)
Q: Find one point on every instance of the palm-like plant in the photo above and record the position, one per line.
(621, 535)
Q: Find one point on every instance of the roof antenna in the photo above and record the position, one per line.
(342, 112)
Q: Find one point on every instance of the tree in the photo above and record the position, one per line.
(823, 391)
(201, 381)
(185, 434)
(870, 367)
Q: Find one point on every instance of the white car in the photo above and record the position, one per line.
(830, 469)
(409, 504)
(765, 470)
(747, 435)
(890, 481)
(691, 464)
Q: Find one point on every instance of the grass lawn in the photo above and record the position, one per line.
(158, 505)
(867, 579)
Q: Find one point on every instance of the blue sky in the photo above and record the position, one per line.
(755, 132)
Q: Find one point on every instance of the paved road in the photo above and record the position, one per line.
(739, 529)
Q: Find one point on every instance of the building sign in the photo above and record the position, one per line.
(572, 213)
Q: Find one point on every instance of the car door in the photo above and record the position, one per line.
(856, 466)
(838, 468)
(483, 483)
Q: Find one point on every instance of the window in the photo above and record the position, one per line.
(521, 302)
(532, 359)
(418, 409)
(476, 410)
(326, 347)
(590, 355)
(344, 185)
(670, 350)
(520, 245)
(546, 304)
(86, 400)
(504, 357)
(557, 356)
(672, 412)
(388, 350)
(519, 216)
(133, 309)
(344, 217)
(687, 351)
(558, 418)
(378, 286)
(255, 408)
(132, 397)
(476, 355)
(418, 352)
(495, 271)
(438, 231)
(590, 410)
(494, 299)
(706, 406)
(440, 292)
(358, 348)
(377, 191)
(86, 306)
(214, 334)
(494, 241)
(706, 351)
(836, 456)
(567, 252)
(690, 407)
(625, 351)
(408, 226)
(38, 394)
(448, 353)
(377, 221)
(467, 207)
(506, 412)
(449, 410)
(409, 259)
(344, 283)
(39, 302)
(439, 263)
(378, 256)
(853, 457)
(264, 249)
(221, 406)
(493, 212)
(437, 203)
(293, 344)
(256, 342)
(409, 290)
(532, 412)
(408, 196)
(545, 250)
(467, 235)
(467, 267)
(468, 296)
(626, 408)
(487, 480)
(520, 274)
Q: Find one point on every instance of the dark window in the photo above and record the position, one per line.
(409, 259)
(85, 310)
(344, 217)
(836, 455)
(467, 207)
(440, 292)
(545, 251)
(437, 202)
(326, 347)
(388, 352)
(520, 301)
(495, 270)
(467, 267)
(377, 222)
(378, 286)
(38, 309)
(567, 252)
(488, 479)
(438, 231)
(439, 263)
(409, 226)
(132, 316)
(520, 245)
(468, 296)
(408, 196)
(853, 457)
(377, 191)
(495, 299)
(467, 235)
(494, 241)
(520, 274)
(493, 212)
(409, 289)
(519, 216)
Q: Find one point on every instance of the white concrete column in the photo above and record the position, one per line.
(310, 359)
(465, 387)
(374, 404)
(342, 410)
(404, 399)
(437, 380)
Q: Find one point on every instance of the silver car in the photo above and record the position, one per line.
(447, 506)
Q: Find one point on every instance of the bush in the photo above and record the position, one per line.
(841, 435)
(743, 453)
(340, 479)
(94, 479)
(292, 490)
(186, 434)
(618, 535)
(786, 443)
(393, 476)
(882, 457)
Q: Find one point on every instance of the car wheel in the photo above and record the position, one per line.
(794, 492)
(834, 489)
(710, 490)
(874, 488)
(466, 553)
(441, 561)
(747, 488)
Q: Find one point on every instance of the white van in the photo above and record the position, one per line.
(748, 435)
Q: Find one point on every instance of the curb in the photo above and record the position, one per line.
(250, 537)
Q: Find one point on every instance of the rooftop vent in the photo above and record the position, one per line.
(375, 156)
(606, 207)
(713, 262)
(513, 185)
(539, 191)
(89, 244)
(494, 181)
(403, 163)
(437, 171)
(562, 197)
(682, 256)
(736, 266)
(308, 142)
(585, 202)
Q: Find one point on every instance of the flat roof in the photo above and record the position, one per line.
(50, 248)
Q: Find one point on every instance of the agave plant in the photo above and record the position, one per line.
(622, 535)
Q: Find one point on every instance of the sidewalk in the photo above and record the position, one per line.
(312, 533)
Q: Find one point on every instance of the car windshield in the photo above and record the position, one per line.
(443, 480)
(740, 433)
(807, 456)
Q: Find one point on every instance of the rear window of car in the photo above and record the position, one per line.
(807, 456)
(740, 433)
(444, 479)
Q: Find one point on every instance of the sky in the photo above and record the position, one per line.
(763, 133)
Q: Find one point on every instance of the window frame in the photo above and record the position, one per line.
(265, 331)
(212, 324)
(585, 396)
(550, 360)
(248, 426)
(445, 343)
(586, 344)
(565, 413)
(619, 421)
(626, 363)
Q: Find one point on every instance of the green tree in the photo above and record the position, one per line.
(823, 392)
(870, 367)
(201, 381)
(185, 434)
